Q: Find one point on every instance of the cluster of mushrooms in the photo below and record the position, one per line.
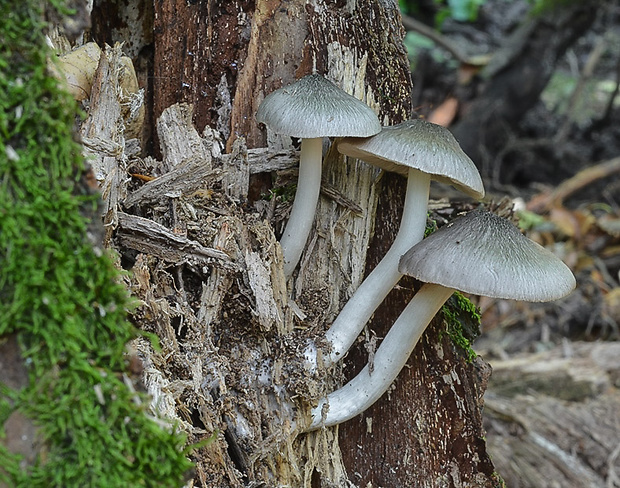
(479, 253)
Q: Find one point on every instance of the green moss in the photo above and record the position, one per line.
(283, 193)
(431, 225)
(529, 220)
(462, 320)
(60, 297)
(500, 483)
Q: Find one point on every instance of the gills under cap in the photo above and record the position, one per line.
(315, 107)
(484, 254)
(421, 145)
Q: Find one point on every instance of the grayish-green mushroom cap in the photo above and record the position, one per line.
(484, 254)
(315, 107)
(421, 145)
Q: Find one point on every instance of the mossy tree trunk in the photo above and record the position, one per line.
(232, 331)
(69, 411)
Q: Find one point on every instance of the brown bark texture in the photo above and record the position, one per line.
(207, 269)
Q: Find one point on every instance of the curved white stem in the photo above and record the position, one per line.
(385, 275)
(300, 221)
(367, 387)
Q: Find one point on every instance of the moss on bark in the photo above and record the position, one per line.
(60, 294)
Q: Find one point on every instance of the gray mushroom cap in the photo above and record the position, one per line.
(484, 254)
(315, 107)
(422, 145)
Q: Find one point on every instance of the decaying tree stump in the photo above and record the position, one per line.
(206, 266)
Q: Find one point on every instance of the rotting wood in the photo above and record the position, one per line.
(102, 130)
(277, 39)
(199, 50)
(334, 194)
(225, 367)
(237, 171)
(266, 159)
(178, 137)
(149, 237)
(183, 179)
(194, 173)
(552, 418)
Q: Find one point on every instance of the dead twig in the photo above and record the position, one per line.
(184, 179)
(265, 160)
(582, 179)
(414, 25)
(149, 237)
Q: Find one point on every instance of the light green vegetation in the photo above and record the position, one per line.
(459, 10)
(462, 321)
(431, 226)
(593, 100)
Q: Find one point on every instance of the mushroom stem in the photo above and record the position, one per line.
(304, 206)
(373, 381)
(385, 275)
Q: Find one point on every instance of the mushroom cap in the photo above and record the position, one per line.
(421, 145)
(315, 107)
(484, 254)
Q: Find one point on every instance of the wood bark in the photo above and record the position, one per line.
(232, 331)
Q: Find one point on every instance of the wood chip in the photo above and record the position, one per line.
(149, 237)
(184, 179)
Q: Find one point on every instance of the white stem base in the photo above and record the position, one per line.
(391, 356)
(300, 221)
(373, 290)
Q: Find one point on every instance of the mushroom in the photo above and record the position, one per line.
(311, 108)
(479, 253)
(421, 151)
